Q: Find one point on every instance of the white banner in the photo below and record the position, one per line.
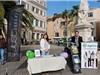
(89, 55)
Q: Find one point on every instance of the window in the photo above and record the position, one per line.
(27, 6)
(56, 34)
(90, 14)
(44, 14)
(41, 35)
(65, 33)
(92, 32)
(63, 23)
(91, 23)
(37, 35)
(41, 12)
(37, 10)
(33, 8)
(41, 23)
(33, 35)
(34, 22)
(44, 24)
(37, 22)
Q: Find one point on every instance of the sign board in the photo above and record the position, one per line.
(13, 35)
(37, 53)
(89, 55)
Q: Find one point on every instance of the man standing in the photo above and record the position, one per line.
(77, 39)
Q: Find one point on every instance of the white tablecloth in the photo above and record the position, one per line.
(38, 65)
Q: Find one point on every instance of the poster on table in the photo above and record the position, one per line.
(37, 53)
(89, 55)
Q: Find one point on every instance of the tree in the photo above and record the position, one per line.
(27, 21)
(2, 12)
(27, 17)
(73, 18)
(56, 15)
(65, 16)
(74, 13)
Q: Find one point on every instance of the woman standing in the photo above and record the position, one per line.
(44, 44)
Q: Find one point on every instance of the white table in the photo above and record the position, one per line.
(43, 64)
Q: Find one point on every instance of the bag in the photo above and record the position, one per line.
(67, 50)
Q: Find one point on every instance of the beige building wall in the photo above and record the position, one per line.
(55, 27)
(50, 30)
(96, 14)
(93, 18)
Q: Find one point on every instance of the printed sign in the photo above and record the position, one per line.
(89, 55)
(37, 53)
(14, 32)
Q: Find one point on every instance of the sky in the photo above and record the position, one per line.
(58, 6)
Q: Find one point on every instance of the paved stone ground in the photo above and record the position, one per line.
(20, 67)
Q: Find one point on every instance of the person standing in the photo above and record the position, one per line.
(2, 48)
(77, 39)
(44, 44)
(85, 59)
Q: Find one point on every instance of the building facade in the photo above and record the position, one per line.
(94, 19)
(55, 28)
(38, 9)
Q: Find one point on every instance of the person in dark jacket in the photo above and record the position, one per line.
(2, 47)
(77, 39)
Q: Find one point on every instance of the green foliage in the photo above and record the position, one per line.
(69, 16)
(56, 16)
(64, 41)
(27, 19)
(65, 14)
(2, 12)
(8, 5)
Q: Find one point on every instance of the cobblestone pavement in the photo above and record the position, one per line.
(20, 67)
